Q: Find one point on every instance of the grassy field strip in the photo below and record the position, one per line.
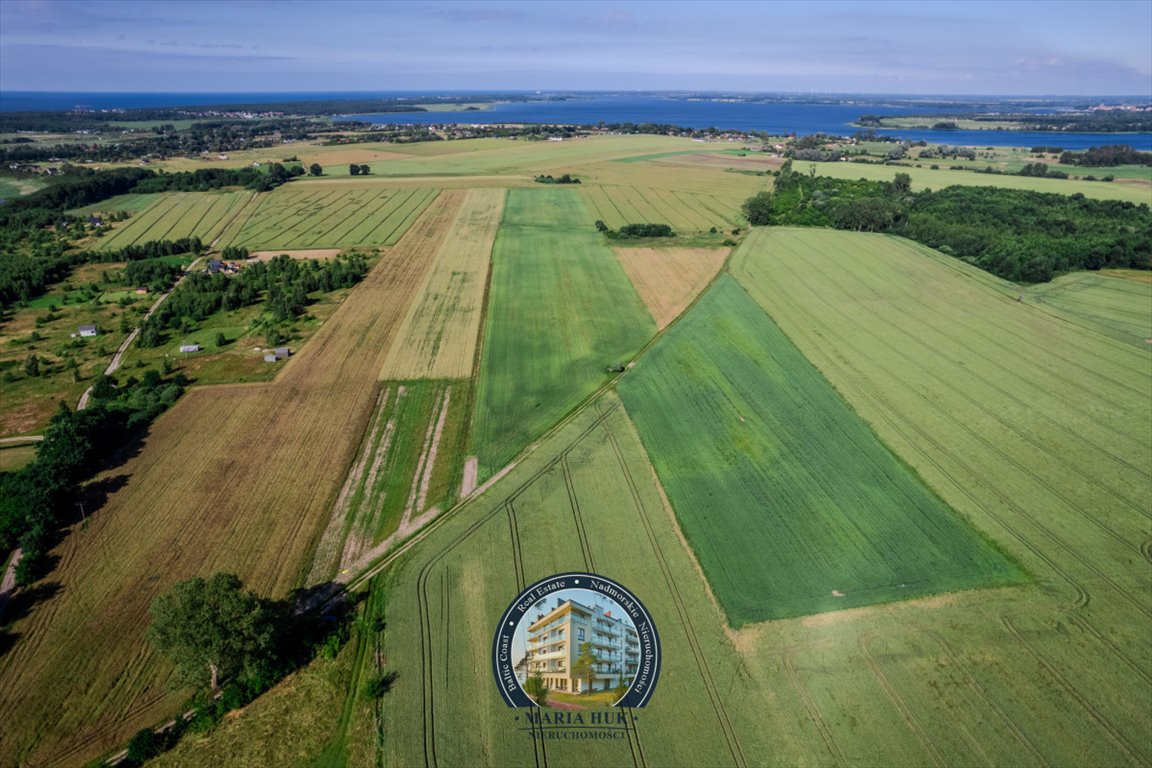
(326, 560)
(132, 202)
(207, 492)
(926, 178)
(791, 503)
(560, 311)
(684, 211)
(128, 231)
(438, 337)
(668, 279)
(1101, 301)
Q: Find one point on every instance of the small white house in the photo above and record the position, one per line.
(87, 330)
(189, 347)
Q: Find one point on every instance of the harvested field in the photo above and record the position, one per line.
(174, 215)
(668, 279)
(237, 478)
(438, 337)
(306, 216)
(684, 211)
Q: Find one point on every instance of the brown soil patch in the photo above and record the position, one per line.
(668, 279)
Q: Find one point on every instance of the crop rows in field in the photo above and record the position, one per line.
(243, 479)
(684, 211)
(560, 312)
(1110, 302)
(438, 338)
(178, 214)
(791, 502)
(332, 216)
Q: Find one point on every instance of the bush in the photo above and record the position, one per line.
(378, 685)
(143, 746)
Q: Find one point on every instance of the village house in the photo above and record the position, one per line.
(87, 331)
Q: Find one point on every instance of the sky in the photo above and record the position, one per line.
(1005, 47)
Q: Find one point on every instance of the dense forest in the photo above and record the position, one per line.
(1016, 234)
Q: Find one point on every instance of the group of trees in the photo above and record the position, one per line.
(562, 179)
(1097, 157)
(1016, 234)
(40, 498)
(636, 230)
(358, 170)
(153, 249)
(282, 283)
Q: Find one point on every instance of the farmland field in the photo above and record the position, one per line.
(330, 216)
(1113, 302)
(791, 503)
(918, 420)
(926, 178)
(560, 311)
(668, 279)
(208, 492)
(438, 338)
(619, 205)
(179, 214)
(409, 465)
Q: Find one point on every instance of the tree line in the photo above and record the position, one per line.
(1017, 234)
(40, 499)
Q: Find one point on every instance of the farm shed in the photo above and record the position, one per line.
(189, 347)
(87, 330)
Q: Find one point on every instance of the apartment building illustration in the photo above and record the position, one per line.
(555, 638)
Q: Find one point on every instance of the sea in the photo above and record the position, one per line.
(791, 116)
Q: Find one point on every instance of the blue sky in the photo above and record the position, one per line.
(971, 47)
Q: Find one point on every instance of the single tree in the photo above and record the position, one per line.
(585, 666)
(365, 170)
(212, 629)
(902, 184)
(353, 169)
(315, 169)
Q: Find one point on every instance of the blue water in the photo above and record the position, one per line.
(779, 117)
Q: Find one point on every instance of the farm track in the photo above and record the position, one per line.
(813, 711)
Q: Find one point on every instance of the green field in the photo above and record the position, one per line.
(790, 501)
(176, 215)
(684, 211)
(561, 310)
(840, 414)
(926, 178)
(331, 216)
(1112, 302)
